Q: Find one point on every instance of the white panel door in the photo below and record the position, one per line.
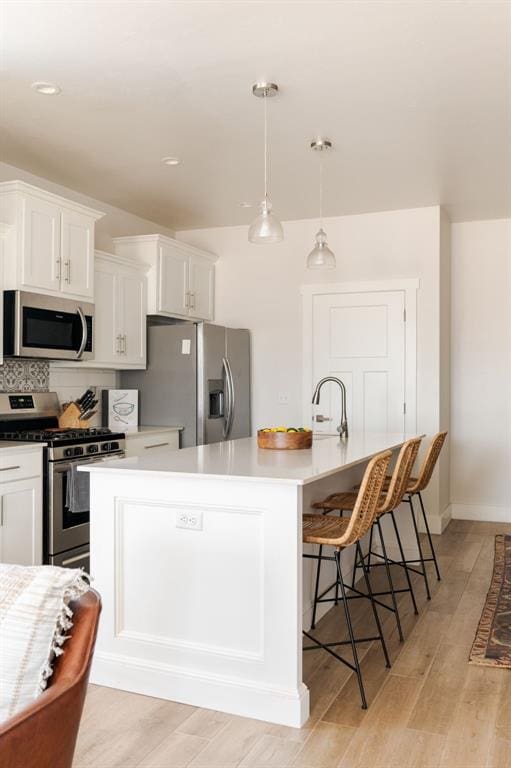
(173, 287)
(40, 260)
(360, 339)
(77, 254)
(133, 303)
(201, 275)
(21, 531)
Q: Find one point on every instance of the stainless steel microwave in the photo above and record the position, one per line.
(47, 326)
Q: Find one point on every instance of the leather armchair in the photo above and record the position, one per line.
(44, 734)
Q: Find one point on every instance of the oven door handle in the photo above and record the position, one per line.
(64, 466)
(84, 333)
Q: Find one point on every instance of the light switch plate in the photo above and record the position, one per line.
(186, 346)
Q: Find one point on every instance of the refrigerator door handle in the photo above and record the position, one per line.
(229, 382)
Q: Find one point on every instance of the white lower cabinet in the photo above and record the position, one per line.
(120, 313)
(138, 444)
(21, 514)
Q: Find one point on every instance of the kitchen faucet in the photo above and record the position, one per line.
(343, 426)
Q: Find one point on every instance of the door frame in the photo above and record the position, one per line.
(409, 288)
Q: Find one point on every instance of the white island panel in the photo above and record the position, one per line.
(210, 617)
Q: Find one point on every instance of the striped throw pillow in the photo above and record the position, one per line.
(35, 619)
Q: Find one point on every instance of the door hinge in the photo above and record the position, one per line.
(404, 408)
(404, 315)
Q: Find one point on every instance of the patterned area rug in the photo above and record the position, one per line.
(492, 644)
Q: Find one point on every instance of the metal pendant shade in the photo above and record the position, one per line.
(321, 257)
(266, 228)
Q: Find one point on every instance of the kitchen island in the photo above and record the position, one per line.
(197, 555)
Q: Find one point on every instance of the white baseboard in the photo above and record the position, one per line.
(277, 705)
(488, 514)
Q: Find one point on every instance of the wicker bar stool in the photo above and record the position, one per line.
(396, 487)
(341, 533)
(415, 486)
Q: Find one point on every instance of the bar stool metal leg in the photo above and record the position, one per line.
(432, 549)
(419, 547)
(350, 629)
(359, 558)
(403, 560)
(375, 613)
(391, 583)
(316, 590)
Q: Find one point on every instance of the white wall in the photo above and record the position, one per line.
(115, 223)
(481, 370)
(258, 287)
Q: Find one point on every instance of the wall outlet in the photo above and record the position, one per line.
(283, 398)
(192, 520)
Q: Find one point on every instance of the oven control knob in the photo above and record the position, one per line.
(78, 451)
(68, 452)
(105, 447)
(114, 446)
(92, 449)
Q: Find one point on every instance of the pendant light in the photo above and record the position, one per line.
(321, 257)
(265, 228)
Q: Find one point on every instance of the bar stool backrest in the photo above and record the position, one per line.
(401, 475)
(429, 463)
(365, 509)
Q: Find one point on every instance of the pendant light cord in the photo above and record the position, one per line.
(265, 148)
(321, 190)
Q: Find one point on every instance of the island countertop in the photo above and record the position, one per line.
(242, 459)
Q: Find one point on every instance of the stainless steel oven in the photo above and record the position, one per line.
(47, 326)
(68, 530)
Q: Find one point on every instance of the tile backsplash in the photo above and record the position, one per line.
(25, 376)
(18, 375)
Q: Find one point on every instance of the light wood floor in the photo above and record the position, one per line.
(431, 710)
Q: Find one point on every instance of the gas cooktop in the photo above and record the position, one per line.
(54, 435)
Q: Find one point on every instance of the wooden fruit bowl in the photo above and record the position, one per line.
(284, 441)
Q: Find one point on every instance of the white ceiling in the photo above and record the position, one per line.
(415, 96)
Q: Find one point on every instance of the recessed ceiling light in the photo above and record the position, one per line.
(47, 89)
(246, 205)
(171, 160)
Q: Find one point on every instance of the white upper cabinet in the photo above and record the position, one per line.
(77, 277)
(181, 278)
(120, 313)
(172, 296)
(201, 287)
(133, 312)
(40, 245)
(50, 243)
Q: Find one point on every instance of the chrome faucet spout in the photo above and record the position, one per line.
(343, 426)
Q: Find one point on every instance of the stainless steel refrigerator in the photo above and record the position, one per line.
(198, 377)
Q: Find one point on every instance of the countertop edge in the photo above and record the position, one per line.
(235, 478)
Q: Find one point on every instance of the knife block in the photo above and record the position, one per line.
(70, 418)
